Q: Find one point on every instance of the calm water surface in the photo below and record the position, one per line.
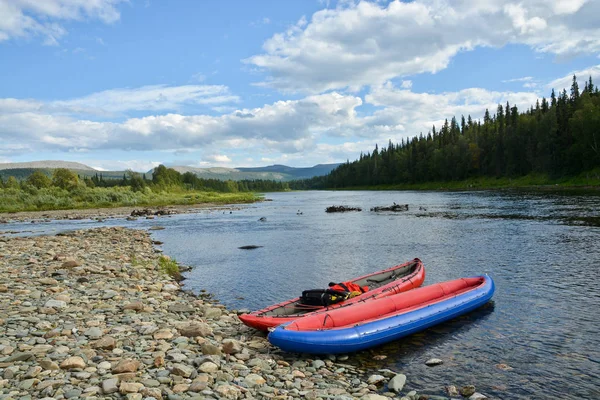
(542, 250)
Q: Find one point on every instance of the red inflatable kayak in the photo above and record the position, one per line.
(397, 279)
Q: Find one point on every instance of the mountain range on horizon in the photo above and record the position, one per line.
(272, 172)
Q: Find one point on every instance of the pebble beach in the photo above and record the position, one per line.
(89, 314)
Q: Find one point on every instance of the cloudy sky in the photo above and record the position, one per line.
(120, 84)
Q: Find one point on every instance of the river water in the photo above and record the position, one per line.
(538, 338)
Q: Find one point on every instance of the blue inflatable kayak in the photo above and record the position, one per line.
(372, 323)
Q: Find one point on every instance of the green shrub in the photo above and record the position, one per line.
(170, 267)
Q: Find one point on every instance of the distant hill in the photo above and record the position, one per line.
(271, 172)
(49, 164)
(295, 173)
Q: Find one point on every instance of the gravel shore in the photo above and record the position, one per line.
(90, 315)
(103, 213)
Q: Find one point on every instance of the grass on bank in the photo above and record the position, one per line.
(170, 267)
(54, 198)
(588, 180)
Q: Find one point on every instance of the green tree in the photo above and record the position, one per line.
(165, 177)
(135, 181)
(12, 183)
(64, 179)
(39, 180)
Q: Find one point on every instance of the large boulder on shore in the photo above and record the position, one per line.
(195, 329)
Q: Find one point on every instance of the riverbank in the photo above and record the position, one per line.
(90, 314)
(588, 182)
(16, 199)
(109, 212)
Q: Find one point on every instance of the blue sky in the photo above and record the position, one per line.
(131, 84)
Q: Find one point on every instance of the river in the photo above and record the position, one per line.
(538, 338)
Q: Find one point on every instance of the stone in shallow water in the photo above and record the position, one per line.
(375, 379)
(452, 391)
(397, 383)
(467, 391)
(433, 361)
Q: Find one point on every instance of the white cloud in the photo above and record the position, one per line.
(407, 114)
(25, 18)
(406, 84)
(217, 159)
(582, 76)
(358, 45)
(568, 6)
(285, 125)
(523, 79)
(10, 106)
(146, 98)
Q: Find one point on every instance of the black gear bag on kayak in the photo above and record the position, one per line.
(322, 297)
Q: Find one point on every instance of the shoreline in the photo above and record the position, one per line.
(107, 212)
(89, 314)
